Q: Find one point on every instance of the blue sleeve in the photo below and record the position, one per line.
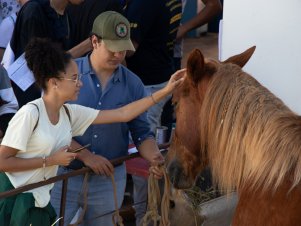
(139, 127)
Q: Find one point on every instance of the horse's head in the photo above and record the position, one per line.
(185, 158)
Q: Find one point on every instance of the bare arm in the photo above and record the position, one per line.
(132, 110)
(149, 150)
(98, 163)
(80, 49)
(211, 9)
(10, 163)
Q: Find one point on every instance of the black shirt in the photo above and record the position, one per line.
(154, 25)
(37, 19)
(83, 15)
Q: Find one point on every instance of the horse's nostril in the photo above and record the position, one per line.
(172, 204)
(172, 178)
(175, 172)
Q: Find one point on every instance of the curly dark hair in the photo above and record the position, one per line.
(46, 60)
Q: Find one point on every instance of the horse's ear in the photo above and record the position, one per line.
(241, 59)
(195, 65)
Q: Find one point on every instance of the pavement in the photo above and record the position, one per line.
(207, 43)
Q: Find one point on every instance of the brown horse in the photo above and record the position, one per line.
(250, 139)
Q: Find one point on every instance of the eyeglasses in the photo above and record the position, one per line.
(75, 80)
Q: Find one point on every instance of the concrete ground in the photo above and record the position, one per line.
(208, 44)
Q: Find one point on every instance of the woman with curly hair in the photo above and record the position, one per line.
(39, 134)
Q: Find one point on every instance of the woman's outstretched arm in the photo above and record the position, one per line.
(132, 110)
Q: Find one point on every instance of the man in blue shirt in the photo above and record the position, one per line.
(106, 85)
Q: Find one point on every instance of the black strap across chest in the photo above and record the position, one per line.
(66, 109)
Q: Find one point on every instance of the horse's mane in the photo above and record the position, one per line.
(249, 135)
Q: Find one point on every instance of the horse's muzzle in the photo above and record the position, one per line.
(177, 176)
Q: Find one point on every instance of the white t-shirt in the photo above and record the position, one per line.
(6, 30)
(45, 139)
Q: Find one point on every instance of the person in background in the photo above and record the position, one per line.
(154, 25)
(39, 135)
(82, 17)
(6, 31)
(8, 14)
(8, 7)
(44, 19)
(107, 84)
(8, 101)
(210, 10)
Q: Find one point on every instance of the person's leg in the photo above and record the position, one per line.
(101, 197)
(140, 197)
(72, 198)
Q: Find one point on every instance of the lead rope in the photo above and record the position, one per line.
(154, 201)
(116, 218)
(165, 205)
(85, 197)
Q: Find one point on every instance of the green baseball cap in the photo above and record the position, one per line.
(114, 29)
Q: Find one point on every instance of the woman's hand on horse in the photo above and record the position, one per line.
(176, 80)
(61, 157)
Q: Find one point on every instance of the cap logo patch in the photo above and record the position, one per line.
(121, 30)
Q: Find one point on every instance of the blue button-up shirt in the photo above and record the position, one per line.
(111, 140)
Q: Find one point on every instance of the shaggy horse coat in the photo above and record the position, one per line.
(250, 139)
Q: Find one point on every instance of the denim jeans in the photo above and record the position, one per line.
(100, 200)
(140, 197)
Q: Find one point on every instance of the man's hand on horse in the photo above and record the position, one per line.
(157, 166)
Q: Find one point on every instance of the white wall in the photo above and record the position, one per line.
(274, 26)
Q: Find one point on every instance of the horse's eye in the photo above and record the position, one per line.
(172, 204)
